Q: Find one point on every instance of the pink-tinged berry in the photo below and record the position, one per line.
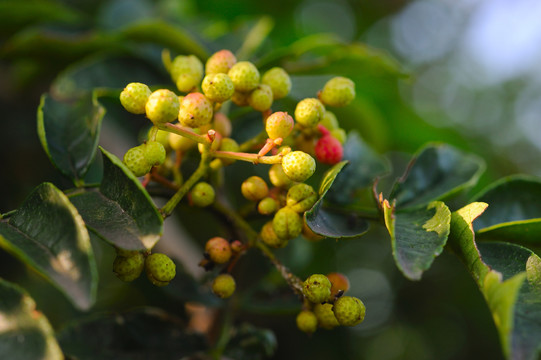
(154, 153)
(287, 224)
(267, 206)
(309, 112)
(160, 269)
(279, 125)
(202, 194)
(260, 99)
(339, 282)
(162, 106)
(301, 197)
(337, 92)
(218, 87)
(218, 250)
(317, 288)
(269, 237)
(186, 72)
(254, 188)
(279, 81)
(134, 97)
(328, 150)
(236, 246)
(329, 121)
(223, 286)
(220, 62)
(325, 316)
(195, 110)
(298, 166)
(128, 268)
(306, 321)
(278, 177)
(135, 160)
(222, 124)
(349, 311)
(244, 75)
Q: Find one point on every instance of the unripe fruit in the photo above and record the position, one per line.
(339, 91)
(236, 246)
(298, 165)
(202, 194)
(316, 288)
(162, 137)
(134, 97)
(349, 311)
(309, 234)
(260, 99)
(254, 188)
(186, 72)
(160, 269)
(279, 125)
(269, 237)
(309, 112)
(195, 110)
(240, 98)
(128, 268)
(181, 143)
(222, 124)
(135, 160)
(162, 106)
(223, 286)
(228, 144)
(220, 62)
(329, 121)
(325, 316)
(340, 135)
(218, 87)
(307, 321)
(339, 284)
(278, 177)
(287, 224)
(301, 197)
(154, 153)
(244, 75)
(218, 250)
(279, 81)
(267, 206)
(305, 143)
(328, 150)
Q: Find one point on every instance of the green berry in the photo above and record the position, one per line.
(307, 321)
(223, 286)
(202, 194)
(329, 121)
(269, 237)
(287, 224)
(325, 316)
(154, 153)
(134, 97)
(298, 165)
(162, 137)
(279, 81)
(267, 206)
(186, 72)
(222, 124)
(218, 250)
(260, 99)
(244, 75)
(309, 112)
(317, 288)
(340, 135)
(135, 160)
(162, 106)
(128, 268)
(160, 269)
(195, 110)
(301, 197)
(279, 125)
(254, 188)
(220, 62)
(181, 143)
(228, 144)
(337, 92)
(278, 177)
(349, 310)
(218, 87)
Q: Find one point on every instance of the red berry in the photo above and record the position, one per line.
(328, 150)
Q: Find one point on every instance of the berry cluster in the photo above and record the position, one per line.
(128, 265)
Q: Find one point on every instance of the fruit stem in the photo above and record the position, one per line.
(253, 142)
(186, 132)
(237, 220)
(253, 158)
(152, 133)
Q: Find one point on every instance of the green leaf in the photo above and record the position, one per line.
(69, 132)
(514, 213)
(435, 173)
(25, 333)
(142, 334)
(250, 343)
(121, 212)
(48, 234)
(15, 14)
(417, 236)
(330, 222)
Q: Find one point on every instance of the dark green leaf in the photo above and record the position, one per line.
(418, 236)
(436, 172)
(144, 334)
(25, 333)
(120, 211)
(48, 234)
(69, 132)
(16, 14)
(251, 343)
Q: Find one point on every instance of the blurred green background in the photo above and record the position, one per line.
(464, 72)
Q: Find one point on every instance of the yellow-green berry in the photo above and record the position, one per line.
(218, 250)
(224, 286)
(337, 92)
(202, 194)
(287, 224)
(154, 153)
(128, 268)
(260, 99)
(267, 206)
(329, 121)
(325, 316)
(279, 125)
(181, 143)
(307, 321)
(301, 197)
(316, 288)
(278, 177)
(134, 97)
(309, 112)
(340, 135)
(279, 81)
(240, 98)
(162, 137)
(220, 62)
(244, 75)
(228, 144)
(186, 72)
(349, 310)
(135, 160)
(254, 188)
(195, 110)
(160, 269)
(298, 166)
(269, 237)
(218, 87)
(162, 106)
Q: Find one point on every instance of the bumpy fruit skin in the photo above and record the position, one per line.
(222, 124)
(162, 137)
(287, 224)
(154, 153)
(337, 92)
(267, 206)
(218, 87)
(260, 99)
(325, 316)
(339, 283)
(202, 194)
(135, 160)
(309, 112)
(186, 72)
(195, 110)
(279, 81)
(254, 188)
(160, 269)
(224, 286)
(134, 97)
(301, 197)
(340, 135)
(218, 250)
(279, 125)
(316, 288)
(162, 106)
(278, 177)
(349, 310)
(220, 62)
(269, 237)
(307, 321)
(128, 268)
(298, 166)
(328, 150)
(329, 121)
(244, 75)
